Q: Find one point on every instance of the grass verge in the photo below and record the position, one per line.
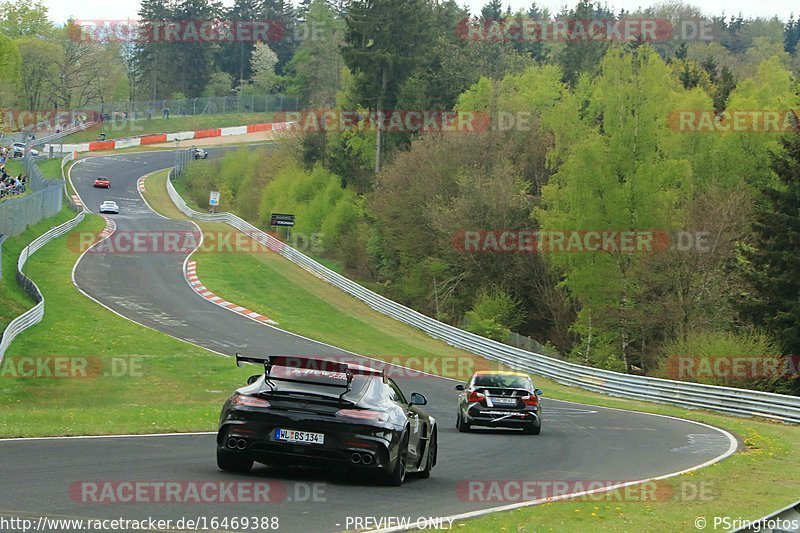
(120, 129)
(121, 377)
(755, 481)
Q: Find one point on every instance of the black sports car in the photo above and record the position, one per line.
(316, 412)
(499, 399)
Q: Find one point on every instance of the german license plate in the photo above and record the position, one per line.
(504, 401)
(303, 437)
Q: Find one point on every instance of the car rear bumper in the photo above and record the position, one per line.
(346, 446)
(493, 417)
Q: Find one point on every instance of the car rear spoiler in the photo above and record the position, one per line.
(313, 364)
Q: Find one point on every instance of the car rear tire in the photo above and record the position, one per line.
(230, 463)
(534, 429)
(397, 475)
(462, 426)
(433, 448)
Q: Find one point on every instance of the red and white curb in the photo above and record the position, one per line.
(110, 228)
(140, 185)
(199, 288)
(158, 138)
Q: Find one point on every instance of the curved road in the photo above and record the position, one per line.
(578, 443)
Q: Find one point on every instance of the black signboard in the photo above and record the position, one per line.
(278, 219)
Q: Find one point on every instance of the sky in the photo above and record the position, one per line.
(60, 10)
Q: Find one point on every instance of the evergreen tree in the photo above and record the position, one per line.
(493, 10)
(771, 262)
(384, 42)
(583, 56)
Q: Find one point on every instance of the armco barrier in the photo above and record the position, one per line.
(728, 400)
(36, 313)
(783, 521)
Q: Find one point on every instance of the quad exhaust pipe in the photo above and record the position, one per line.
(361, 458)
(236, 444)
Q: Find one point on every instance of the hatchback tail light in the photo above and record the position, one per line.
(249, 401)
(364, 414)
(475, 396)
(530, 400)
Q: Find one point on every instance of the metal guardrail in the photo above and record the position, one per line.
(48, 139)
(36, 313)
(727, 400)
(783, 521)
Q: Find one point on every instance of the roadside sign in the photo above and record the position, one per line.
(279, 219)
(213, 198)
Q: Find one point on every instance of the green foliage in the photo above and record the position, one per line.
(494, 315)
(24, 19)
(704, 357)
(770, 262)
(219, 84)
(10, 63)
(497, 305)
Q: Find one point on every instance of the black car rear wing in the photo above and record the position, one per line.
(322, 366)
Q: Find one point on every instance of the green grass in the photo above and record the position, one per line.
(13, 300)
(51, 168)
(175, 386)
(752, 483)
(298, 301)
(118, 130)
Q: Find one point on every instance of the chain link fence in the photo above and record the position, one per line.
(17, 214)
(212, 105)
(44, 200)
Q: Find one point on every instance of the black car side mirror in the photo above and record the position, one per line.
(459, 387)
(253, 379)
(418, 399)
(538, 392)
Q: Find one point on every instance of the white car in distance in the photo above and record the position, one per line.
(109, 207)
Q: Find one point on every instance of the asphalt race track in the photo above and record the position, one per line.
(578, 443)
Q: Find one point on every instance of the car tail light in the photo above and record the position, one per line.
(530, 400)
(364, 414)
(475, 396)
(249, 401)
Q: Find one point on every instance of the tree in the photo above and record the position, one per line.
(770, 263)
(492, 10)
(263, 63)
(219, 84)
(37, 70)
(10, 62)
(621, 171)
(234, 57)
(23, 19)
(152, 64)
(583, 56)
(316, 66)
(383, 47)
(80, 70)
